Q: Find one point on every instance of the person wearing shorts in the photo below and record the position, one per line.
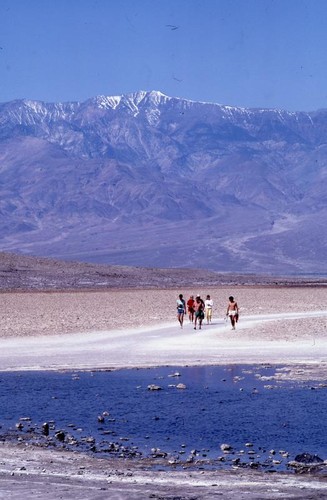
(232, 311)
(181, 309)
(190, 308)
(199, 312)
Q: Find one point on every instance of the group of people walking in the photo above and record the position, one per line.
(199, 309)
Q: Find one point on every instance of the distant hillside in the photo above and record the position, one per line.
(21, 273)
(153, 181)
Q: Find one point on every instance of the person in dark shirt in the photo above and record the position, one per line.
(181, 309)
(199, 312)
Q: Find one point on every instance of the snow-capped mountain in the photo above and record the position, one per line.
(151, 180)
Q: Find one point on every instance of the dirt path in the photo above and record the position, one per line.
(168, 344)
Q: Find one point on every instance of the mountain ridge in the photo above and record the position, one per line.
(146, 178)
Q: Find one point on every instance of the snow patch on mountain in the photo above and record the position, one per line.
(132, 101)
(107, 102)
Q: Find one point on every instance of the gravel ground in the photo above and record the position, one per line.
(56, 313)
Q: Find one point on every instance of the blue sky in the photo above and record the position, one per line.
(249, 53)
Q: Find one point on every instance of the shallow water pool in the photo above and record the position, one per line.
(265, 421)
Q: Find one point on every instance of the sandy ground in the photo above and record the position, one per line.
(116, 329)
(138, 328)
(41, 313)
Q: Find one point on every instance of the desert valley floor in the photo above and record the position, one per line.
(135, 328)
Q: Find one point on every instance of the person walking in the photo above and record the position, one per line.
(181, 309)
(202, 301)
(232, 311)
(208, 305)
(199, 312)
(190, 308)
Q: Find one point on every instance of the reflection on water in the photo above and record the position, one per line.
(115, 412)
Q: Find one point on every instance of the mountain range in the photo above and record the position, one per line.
(144, 179)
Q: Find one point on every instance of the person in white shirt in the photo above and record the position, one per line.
(208, 304)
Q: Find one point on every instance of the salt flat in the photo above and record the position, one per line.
(129, 328)
(133, 328)
(168, 344)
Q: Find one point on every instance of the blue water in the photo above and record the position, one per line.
(219, 405)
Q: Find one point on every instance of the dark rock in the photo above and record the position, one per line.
(60, 435)
(45, 429)
(254, 465)
(226, 447)
(307, 458)
(157, 453)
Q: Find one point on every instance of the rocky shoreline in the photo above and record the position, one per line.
(31, 472)
(33, 436)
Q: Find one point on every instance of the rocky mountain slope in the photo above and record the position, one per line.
(149, 180)
(26, 273)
